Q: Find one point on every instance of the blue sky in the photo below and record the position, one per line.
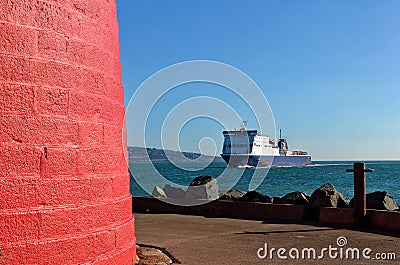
(330, 70)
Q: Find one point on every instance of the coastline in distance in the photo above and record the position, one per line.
(141, 154)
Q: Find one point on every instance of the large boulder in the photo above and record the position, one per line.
(328, 196)
(297, 197)
(203, 187)
(232, 195)
(255, 196)
(379, 200)
(158, 192)
(173, 192)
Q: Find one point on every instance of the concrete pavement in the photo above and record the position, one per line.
(200, 240)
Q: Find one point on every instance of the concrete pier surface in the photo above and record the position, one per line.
(201, 240)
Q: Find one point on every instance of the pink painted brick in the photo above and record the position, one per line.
(18, 39)
(18, 226)
(52, 45)
(19, 161)
(16, 98)
(91, 133)
(40, 130)
(52, 101)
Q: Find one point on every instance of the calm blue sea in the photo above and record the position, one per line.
(278, 181)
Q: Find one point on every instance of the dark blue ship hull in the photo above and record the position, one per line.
(264, 161)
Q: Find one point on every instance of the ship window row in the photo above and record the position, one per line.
(236, 145)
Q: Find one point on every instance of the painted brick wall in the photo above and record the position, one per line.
(64, 183)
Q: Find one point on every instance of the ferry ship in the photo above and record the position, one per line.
(248, 148)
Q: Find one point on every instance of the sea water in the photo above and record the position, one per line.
(276, 181)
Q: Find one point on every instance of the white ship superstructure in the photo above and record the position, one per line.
(249, 148)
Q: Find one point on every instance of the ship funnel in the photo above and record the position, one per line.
(243, 125)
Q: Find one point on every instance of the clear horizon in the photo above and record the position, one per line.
(347, 160)
(329, 70)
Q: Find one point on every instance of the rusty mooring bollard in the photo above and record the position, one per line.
(360, 197)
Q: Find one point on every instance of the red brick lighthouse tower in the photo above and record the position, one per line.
(64, 183)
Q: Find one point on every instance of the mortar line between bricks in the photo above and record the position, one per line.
(37, 176)
(65, 63)
(65, 177)
(35, 59)
(66, 89)
(40, 86)
(111, 227)
(62, 118)
(27, 210)
(37, 56)
(80, 13)
(106, 256)
(59, 118)
(115, 38)
(35, 145)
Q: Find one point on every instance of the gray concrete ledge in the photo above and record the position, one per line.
(226, 209)
(381, 221)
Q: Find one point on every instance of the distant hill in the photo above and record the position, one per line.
(139, 154)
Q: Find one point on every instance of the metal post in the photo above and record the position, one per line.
(360, 199)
